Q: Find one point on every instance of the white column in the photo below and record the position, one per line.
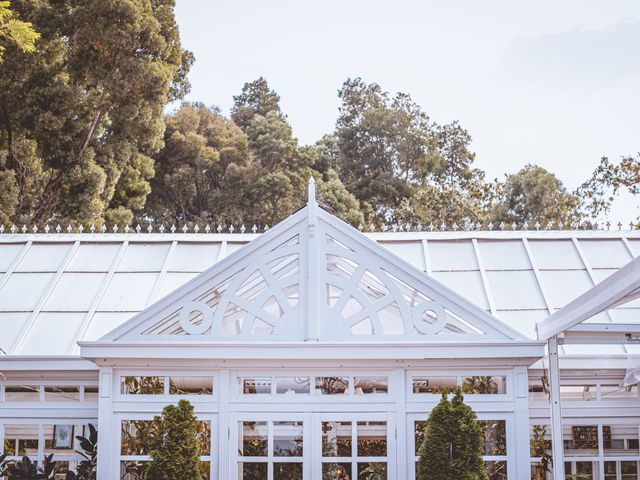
(108, 468)
(556, 410)
(522, 467)
(224, 426)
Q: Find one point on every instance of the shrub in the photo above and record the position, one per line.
(175, 451)
(453, 443)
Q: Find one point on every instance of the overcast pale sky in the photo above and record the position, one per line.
(551, 82)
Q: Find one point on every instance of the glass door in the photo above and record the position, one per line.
(354, 446)
(271, 447)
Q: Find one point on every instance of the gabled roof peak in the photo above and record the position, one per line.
(314, 278)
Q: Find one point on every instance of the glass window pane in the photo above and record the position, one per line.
(287, 439)
(337, 471)
(203, 433)
(252, 471)
(578, 393)
(365, 385)
(253, 439)
(616, 392)
(190, 385)
(336, 439)
(142, 385)
(540, 441)
(55, 393)
(136, 437)
(205, 470)
(495, 436)
(133, 469)
(255, 385)
(610, 471)
(21, 393)
(59, 439)
(293, 385)
(629, 470)
(287, 471)
(332, 385)
(21, 440)
(484, 385)
(586, 470)
(619, 440)
(372, 439)
(377, 470)
(90, 393)
(418, 428)
(496, 470)
(433, 384)
(580, 440)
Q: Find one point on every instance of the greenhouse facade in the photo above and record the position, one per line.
(315, 347)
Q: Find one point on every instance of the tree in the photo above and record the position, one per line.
(606, 182)
(256, 98)
(15, 32)
(534, 195)
(80, 117)
(453, 443)
(194, 173)
(386, 145)
(175, 454)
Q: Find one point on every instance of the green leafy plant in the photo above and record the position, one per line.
(453, 443)
(175, 450)
(87, 469)
(25, 469)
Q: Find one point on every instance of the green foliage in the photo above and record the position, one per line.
(256, 98)
(175, 453)
(453, 443)
(25, 469)
(534, 195)
(606, 182)
(15, 32)
(541, 449)
(87, 468)
(81, 116)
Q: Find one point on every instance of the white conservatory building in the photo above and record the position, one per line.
(314, 347)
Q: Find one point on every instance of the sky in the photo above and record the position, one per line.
(555, 83)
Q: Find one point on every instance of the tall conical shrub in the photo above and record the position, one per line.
(453, 443)
(175, 453)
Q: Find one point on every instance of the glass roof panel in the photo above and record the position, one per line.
(10, 326)
(634, 244)
(56, 330)
(452, 255)
(174, 280)
(74, 292)
(602, 273)
(232, 247)
(44, 257)
(605, 253)
(523, 320)
(144, 257)
(102, 323)
(515, 290)
(625, 315)
(467, 284)
(564, 286)
(93, 257)
(194, 257)
(128, 292)
(504, 255)
(409, 251)
(555, 254)
(23, 290)
(9, 253)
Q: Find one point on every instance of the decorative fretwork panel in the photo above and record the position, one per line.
(367, 299)
(258, 300)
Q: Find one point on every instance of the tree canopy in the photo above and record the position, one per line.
(86, 137)
(14, 31)
(81, 116)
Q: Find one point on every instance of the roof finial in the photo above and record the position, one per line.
(311, 198)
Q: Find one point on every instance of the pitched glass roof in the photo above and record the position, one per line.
(56, 289)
